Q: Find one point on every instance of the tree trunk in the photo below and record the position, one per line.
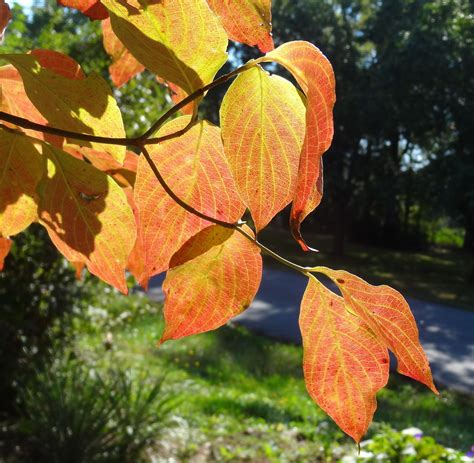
(339, 229)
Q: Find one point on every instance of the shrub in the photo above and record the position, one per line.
(71, 413)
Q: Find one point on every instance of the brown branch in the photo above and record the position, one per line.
(26, 124)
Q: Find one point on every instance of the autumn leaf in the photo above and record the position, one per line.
(212, 278)
(80, 104)
(15, 101)
(21, 169)
(181, 41)
(92, 8)
(124, 66)
(87, 216)
(344, 362)
(246, 21)
(315, 76)
(195, 168)
(5, 17)
(263, 128)
(5, 246)
(386, 312)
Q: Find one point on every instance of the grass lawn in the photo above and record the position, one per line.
(439, 275)
(244, 399)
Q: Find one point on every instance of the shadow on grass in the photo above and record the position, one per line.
(230, 352)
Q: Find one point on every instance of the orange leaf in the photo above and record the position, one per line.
(21, 169)
(387, 314)
(92, 8)
(181, 41)
(195, 167)
(315, 76)
(87, 216)
(79, 104)
(344, 363)
(15, 101)
(124, 66)
(246, 21)
(5, 246)
(60, 64)
(211, 279)
(263, 128)
(5, 17)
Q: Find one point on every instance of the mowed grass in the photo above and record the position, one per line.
(244, 398)
(439, 275)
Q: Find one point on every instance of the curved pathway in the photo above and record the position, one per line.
(446, 333)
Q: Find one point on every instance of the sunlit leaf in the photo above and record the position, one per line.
(124, 66)
(195, 168)
(21, 169)
(263, 128)
(211, 279)
(386, 312)
(5, 246)
(80, 104)
(13, 100)
(181, 41)
(92, 8)
(344, 363)
(315, 76)
(246, 21)
(87, 216)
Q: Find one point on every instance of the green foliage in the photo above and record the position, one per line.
(39, 292)
(408, 446)
(76, 414)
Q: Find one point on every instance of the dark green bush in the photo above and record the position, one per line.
(71, 413)
(38, 291)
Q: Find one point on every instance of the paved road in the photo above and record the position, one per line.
(447, 333)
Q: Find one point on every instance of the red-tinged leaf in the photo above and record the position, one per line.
(79, 268)
(87, 216)
(246, 21)
(315, 76)
(60, 64)
(263, 128)
(5, 246)
(181, 41)
(344, 363)
(92, 8)
(124, 66)
(177, 95)
(83, 105)
(136, 259)
(5, 17)
(195, 168)
(388, 315)
(21, 169)
(212, 278)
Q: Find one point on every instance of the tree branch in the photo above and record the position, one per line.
(136, 141)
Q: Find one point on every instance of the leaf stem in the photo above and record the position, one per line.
(235, 226)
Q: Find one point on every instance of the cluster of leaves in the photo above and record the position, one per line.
(178, 205)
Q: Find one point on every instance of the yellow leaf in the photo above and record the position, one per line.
(263, 128)
(181, 41)
(80, 104)
(21, 169)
